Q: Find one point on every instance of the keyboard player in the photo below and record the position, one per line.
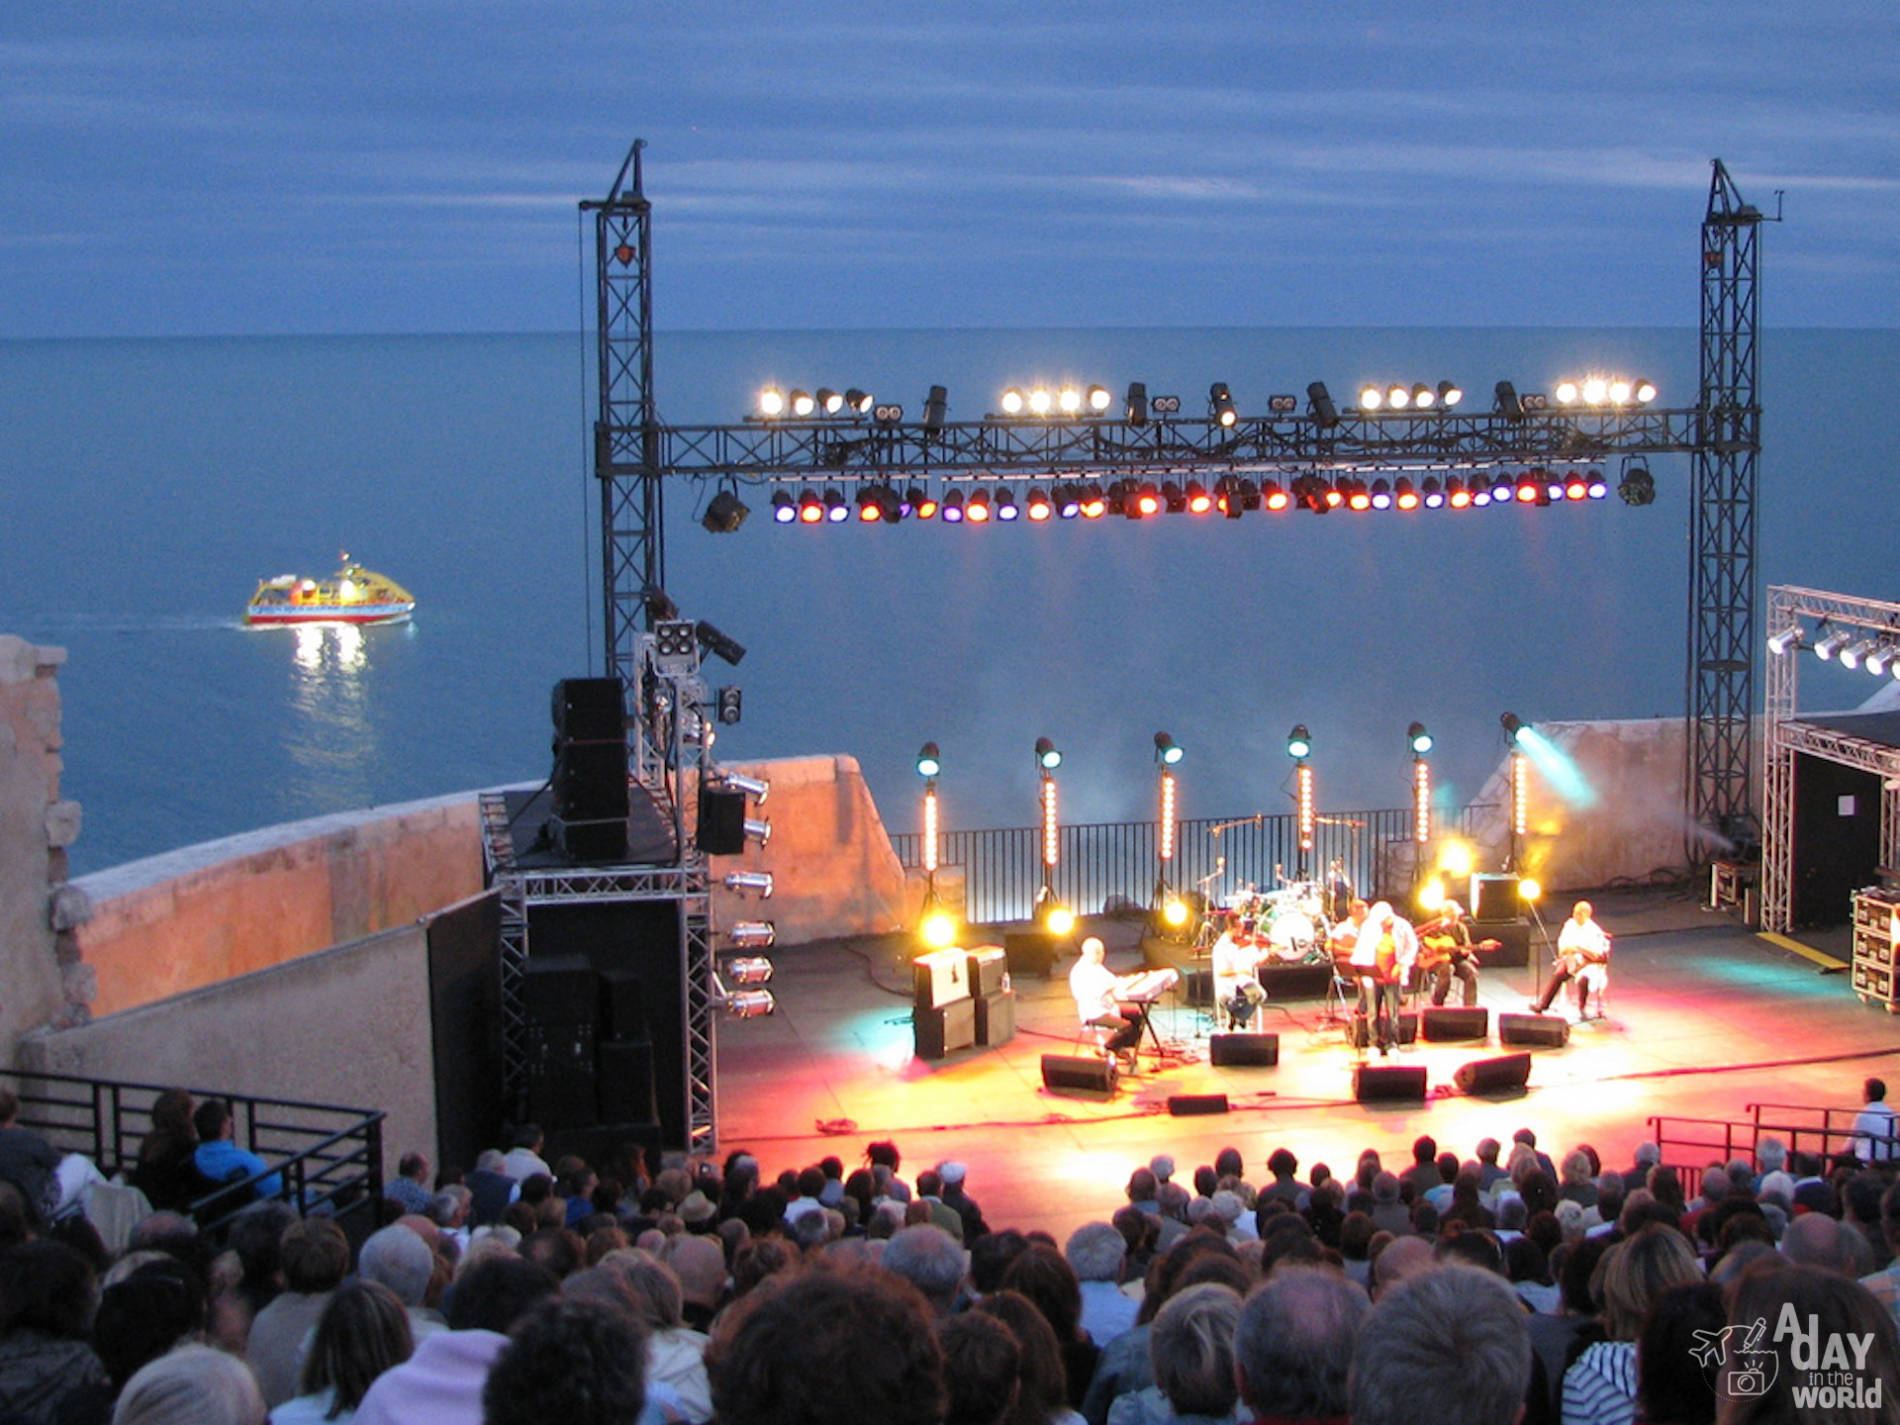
(1098, 994)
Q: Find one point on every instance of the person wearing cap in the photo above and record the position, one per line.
(698, 1213)
(1447, 950)
(953, 1175)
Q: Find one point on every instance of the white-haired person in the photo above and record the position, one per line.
(193, 1385)
(1097, 994)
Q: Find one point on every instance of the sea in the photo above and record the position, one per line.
(147, 485)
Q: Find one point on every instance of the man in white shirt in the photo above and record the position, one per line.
(1382, 959)
(1874, 1126)
(1097, 1000)
(1581, 942)
(523, 1160)
(1236, 990)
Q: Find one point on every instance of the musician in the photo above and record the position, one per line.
(1382, 960)
(1338, 890)
(1236, 962)
(1581, 942)
(1097, 995)
(1446, 950)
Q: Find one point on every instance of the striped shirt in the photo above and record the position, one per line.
(1600, 1386)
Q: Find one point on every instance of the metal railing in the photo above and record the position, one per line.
(1101, 865)
(328, 1157)
(1690, 1144)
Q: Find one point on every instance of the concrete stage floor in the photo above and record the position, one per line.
(1704, 1019)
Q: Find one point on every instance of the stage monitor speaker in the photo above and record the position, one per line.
(996, 1017)
(1030, 952)
(1494, 897)
(1064, 1071)
(721, 821)
(623, 1010)
(1545, 1031)
(946, 1028)
(590, 781)
(1381, 1082)
(989, 969)
(560, 989)
(1508, 1073)
(939, 976)
(1188, 1105)
(590, 710)
(1443, 1023)
(1228, 1051)
(624, 1083)
(590, 843)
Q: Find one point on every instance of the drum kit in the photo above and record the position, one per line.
(1288, 924)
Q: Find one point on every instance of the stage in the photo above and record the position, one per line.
(1704, 1018)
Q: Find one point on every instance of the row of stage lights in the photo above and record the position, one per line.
(1073, 402)
(1231, 496)
(1878, 654)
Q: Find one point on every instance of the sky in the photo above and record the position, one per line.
(415, 165)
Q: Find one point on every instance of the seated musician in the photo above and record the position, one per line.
(1582, 942)
(1236, 959)
(1097, 994)
(1446, 949)
(1382, 961)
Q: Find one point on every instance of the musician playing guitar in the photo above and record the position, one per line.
(1446, 949)
(1581, 942)
(1236, 959)
(1097, 993)
(1382, 960)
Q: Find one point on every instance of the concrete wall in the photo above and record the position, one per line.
(833, 868)
(347, 1026)
(194, 917)
(41, 981)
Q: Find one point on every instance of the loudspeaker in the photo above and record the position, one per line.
(943, 1029)
(1508, 1073)
(1545, 1031)
(1360, 1030)
(1030, 952)
(560, 1073)
(624, 1083)
(1376, 1082)
(560, 989)
(590, 781)
(939, 976)
(623, 1010)
(1187, 1105)
(996, 1017)
(1442, 1023)
(989, 970)
(721, 821)
(1514, 944)
(1244, 1051)
(1494, 897)
(609, 1148)
(593, 843)
(1062, 1071)
(590, 710)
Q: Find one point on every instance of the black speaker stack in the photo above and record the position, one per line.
(589, 1053)
(590, 783)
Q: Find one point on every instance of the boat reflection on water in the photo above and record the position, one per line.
(343, 643)
(332, 738)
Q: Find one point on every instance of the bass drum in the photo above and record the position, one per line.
(1292, 936)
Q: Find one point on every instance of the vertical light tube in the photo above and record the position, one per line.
(1050, 847)
(930, 828)
(1166, 841)
(1421, 801)
(1520, 794)
(1303, 775)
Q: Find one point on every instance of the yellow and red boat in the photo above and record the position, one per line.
(352, 595)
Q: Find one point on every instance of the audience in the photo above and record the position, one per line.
(1445, 1347)
(364, 1330)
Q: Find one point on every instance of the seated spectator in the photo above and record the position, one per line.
(700, 1265)
(1293, 1345)
(29, 1162)
(156, 1305)
(219, 1160)
(48, 1296)
(930, 1260)
(981, 1362)
(193, 1385)
(397, 1258)
(1579, 1182)
(364, 1330)
(1832, 1309)
(164, 1172)
(523, 1159)
(1191, 1350)
(1096, 1252)
(576, 1362)
(315, 1257)
(1673, 1386)
(795, 1353)
(1599, 1388)
(490, 1188)
(1041, 1384)
(675, 1353)
(1047, 1280)
(409, 1189)
(1447, 1346)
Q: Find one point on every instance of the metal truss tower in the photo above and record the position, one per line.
(1720, 673)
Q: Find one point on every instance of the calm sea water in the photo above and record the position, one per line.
(146, 485)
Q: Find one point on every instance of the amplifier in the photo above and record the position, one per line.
(940, 976)
(945, 1028)
(989, 969)
(995, 1017)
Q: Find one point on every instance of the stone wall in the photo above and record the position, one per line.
(41, 979)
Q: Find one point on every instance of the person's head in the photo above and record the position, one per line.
(47, 1286)
(1294, 1341)
(981, 1362)
(363, 1331)
(527, 1136)
(1096, 1252)
(493, 1293)
(1357, 911)
(1191, 1348)
(1093, 951)
(792, 1352)
(1401, 1259)
(193, 1385)
(212, 1120)
(1474, 1247)
(1582, 911)
(1671, 1382)
(142, 1314)
(1771, 1154)
(1875, 1089)
(1829, 1309)
(171, 1113)
(1142, 1185)
(929, 1259)
(1424, 1150)
(1648, 1154)
(398, 1259)
(1575, 1169)
(1449, 1346)
(1282, 1164)
(1041, 1275)
(655, 1288)
(700, 1265)
(1637, 1271)
(579, 1362)
(1229, 1164)
(1042, 1381)
(1488, 1150)
(257, 1236)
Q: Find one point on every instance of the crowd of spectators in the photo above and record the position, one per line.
(1494, 1288)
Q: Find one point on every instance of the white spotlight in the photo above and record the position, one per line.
(760, 881)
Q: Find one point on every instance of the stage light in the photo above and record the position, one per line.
(835, 510)
(755, 787)
(1397, 398)
(1636, 487)
(1826, 647)
(1099, 399)
(1514, 727)
(1787, 638)
(759, 831)
(920, 502)
(1038, 509)
(725, 512)
(1273, 497)
(952, 508)
(1165, 842)
(1480, 494)
(1047, 757)
(1167, 750)
(1174, 911)
(1596, 391)
(1455, 859)
(1450, 393)
(1135, 407)
(1013, 402)
(750, 1004)
(1359, 498)
(1529, 487)
(1419, 738)
(1068, 400)
(1852, 654)
(888, 413)
(932, 833)
(1421, 802)
(1220, 404)
(811, 509)
(1332, 496)
(1423, 397)
(1878, 659)
(1320, 403)
(1504, 489)
(1596, 487)
(1432, 493)
(939, 929)
(771, 402)
(1530, 890)
(929, 760)
(1051, 831)
(869, 509)
(1619, 391)
(1059, 920)
(1371, 398)
(1431, 896)
(1565, 393)
(758, 881)
(1040, 401)
(1645, 392)
(1381, 494)
(829, 401)
(1299, 742)
(1306, 816)
(718, 644)
(1172, 498)
(1006, 509)
(1094, 503)
(936, 408)
(1509, 405)
(858, 403)
(1520, 798)
(1199, 502)
(784, 507)
(1165, 405)
(1403, 495)
(1576, 486)
(753, 935)
(801, 403)
(1147, 501)
(1283, 405)
(977, 508)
